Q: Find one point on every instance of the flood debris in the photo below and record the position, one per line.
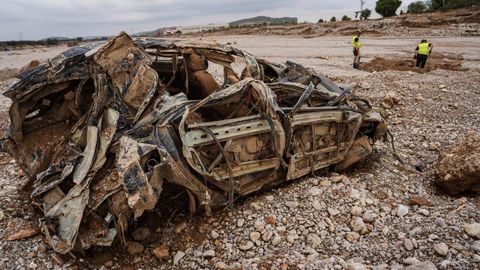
(102, 131)
(458, 166)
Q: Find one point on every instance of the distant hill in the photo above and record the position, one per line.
(259, 20)
(56, 38)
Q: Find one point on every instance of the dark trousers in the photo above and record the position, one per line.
(421, 60)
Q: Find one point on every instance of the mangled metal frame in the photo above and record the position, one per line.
(100, 129)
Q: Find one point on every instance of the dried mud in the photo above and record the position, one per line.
(435, 61)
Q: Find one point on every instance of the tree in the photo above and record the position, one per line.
(387, 8)
(321, 21)
(333, 19)
(365, 14)
(346, 18)
(417, 7)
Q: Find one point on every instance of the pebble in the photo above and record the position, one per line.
(358, 225)
(356, 266)
(180, 227)
(246, 245)
(209, 253)
(368, 216)
(472, 229)
(240, 222)
(254, 236)
(410, 261)
(141, 234)
(476, 246)
(276, 240)
(161, 252)
(214, 234)
(441, 249)
(356, 211)
(291, 204)
(408, 244)
(423, 212)
(178, 257)
(402, 210)
(2, 215)
(134, 248)
(352, 236)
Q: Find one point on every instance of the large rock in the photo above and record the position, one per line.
(458, 166)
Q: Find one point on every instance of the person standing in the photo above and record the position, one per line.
(424, 49)
(356, 44)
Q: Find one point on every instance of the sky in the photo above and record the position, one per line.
(37, 19)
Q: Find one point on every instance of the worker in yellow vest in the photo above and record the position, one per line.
(356, 44)
(424, 49)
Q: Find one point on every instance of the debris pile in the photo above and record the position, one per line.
(458, 166)
(103, 131)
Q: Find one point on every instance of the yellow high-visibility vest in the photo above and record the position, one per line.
(423, 48)
(357, 44)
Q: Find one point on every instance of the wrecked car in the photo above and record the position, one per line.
(102, 130)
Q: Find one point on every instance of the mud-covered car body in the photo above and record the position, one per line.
(102, 130)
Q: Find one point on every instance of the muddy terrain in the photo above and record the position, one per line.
(380, 214)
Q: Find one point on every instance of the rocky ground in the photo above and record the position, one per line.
(381, 214)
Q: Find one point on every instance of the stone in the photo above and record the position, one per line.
(333, 211)
(209, 253)
(2, 215)
(221, 265)
(458, 166)
(441, 249)
(134, 248)
(276, 240)
(358, 225)
(402, 210)
(476, 246)
(368, 216)
(472, 229)
(317, 205)
(33, 265)
(356, 266)
(271, 219)
(352, 236)
(420, 201)
(338, 178)
(246, 245)
(179, 228)
(214, 234)
(408, 244)
(291, 204)
(240, 222)
(178, 257)
(356, 210)
(161, 252)
(141, 234)
(314, 191)
(290, 238)
(422, 266)
(390, 99)
(108, 263)
(254, 236)
(423, 212)
(314, 240)
(267, 236)
(410, 261)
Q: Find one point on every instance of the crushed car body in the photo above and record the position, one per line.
(102, 130)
